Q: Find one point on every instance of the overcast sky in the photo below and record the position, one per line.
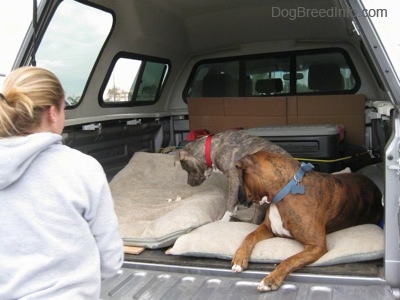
(70, 45)
(16, 16)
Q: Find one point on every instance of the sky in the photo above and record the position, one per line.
(16, 16)
(65, 48)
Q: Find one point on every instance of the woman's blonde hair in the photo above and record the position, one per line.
(27, 93)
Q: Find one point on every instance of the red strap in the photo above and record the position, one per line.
(195, 134)
(208, 150)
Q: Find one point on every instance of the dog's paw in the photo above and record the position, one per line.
(227, 216)
(237, 269)
(263, 287)
(265, 200)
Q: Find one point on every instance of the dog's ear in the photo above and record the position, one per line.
(240, 165)
(180, 155)
(244, 163)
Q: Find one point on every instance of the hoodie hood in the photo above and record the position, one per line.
(17, 154)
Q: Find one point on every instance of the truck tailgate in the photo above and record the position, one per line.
(155, 281)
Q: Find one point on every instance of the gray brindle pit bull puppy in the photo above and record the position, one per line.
(223, 151)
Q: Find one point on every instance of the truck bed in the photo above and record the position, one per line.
(158, 256)
(154, 275)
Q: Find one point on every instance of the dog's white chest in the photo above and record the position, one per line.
(214, 169)
(276, 222)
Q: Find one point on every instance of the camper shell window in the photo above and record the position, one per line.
(65, 49)
(134, 80)
(322, 71)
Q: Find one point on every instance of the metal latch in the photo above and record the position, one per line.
(91, 127)
(395, 167)
(134, 122)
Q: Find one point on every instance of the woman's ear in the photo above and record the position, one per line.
(52, 114)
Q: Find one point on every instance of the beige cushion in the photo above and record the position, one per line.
(155, 205)
(221, 240)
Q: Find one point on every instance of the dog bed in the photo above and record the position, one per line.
(354, 244)
(155, 205)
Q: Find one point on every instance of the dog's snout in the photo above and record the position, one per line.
(193, 182)
(196, 179)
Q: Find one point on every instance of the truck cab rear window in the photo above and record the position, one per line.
(304, 72)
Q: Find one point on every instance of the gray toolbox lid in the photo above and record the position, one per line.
(296, 130)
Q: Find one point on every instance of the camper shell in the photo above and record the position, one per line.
(313, 76)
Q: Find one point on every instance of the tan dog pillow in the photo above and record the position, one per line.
(221, 239)
(155, 205)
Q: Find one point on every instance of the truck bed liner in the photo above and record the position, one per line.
(155, 275)
(160, 281)
(158, 256)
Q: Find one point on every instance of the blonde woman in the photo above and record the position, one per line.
(58, 229)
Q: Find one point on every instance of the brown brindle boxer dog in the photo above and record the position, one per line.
(303, 205)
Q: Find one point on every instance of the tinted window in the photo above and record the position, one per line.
(219, 79)
(134, 80)
(291, 73)
(324, 72)
(265, 76)
(72, 44)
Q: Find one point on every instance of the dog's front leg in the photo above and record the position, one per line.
(275, 279)
(234, 183)
(240, 261)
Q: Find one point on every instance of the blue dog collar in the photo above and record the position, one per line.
(293, 186)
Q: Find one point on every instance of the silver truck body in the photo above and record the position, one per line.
(178, 35)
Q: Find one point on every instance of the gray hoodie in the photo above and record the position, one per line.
(58, 229)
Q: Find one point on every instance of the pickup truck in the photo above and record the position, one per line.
(140, 76)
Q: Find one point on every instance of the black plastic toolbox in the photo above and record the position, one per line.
(321, 145)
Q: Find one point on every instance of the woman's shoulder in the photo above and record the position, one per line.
(76, 157)
(73, 163)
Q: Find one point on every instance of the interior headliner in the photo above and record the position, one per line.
(208, 24)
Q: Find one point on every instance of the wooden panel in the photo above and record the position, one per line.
(328, 105)
(206, 106)
(256, 107)
(291, 102)
(213, 124)
(218, 114)
(347, 110)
